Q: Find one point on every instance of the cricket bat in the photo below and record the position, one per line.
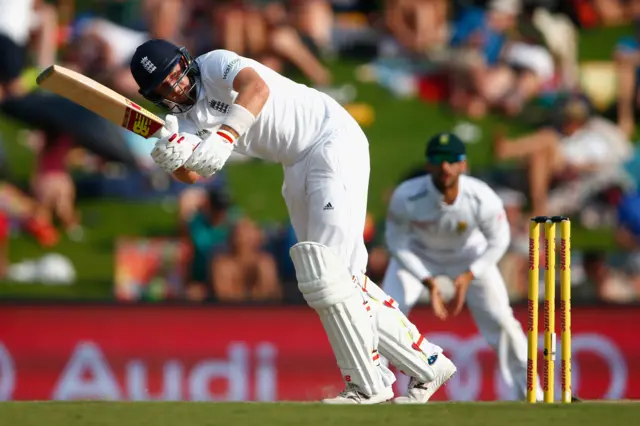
(100, 99)
(108, 104)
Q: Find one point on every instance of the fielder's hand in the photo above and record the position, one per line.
(172, 151)
(210, 156)
(437, 304)
(461, 284)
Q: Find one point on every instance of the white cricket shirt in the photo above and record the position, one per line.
(294, 118)
(421, 228)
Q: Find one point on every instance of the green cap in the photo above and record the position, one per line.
(446, 144)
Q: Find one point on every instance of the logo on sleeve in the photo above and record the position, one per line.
(328, 206)
(227, 70)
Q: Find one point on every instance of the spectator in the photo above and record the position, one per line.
(30, 215)
(582, 155)
(628, 225)
(207, 233)
(101, 49)
(5, 172)
(54, 115)
(610, 285)
(314, 19)
(499, 59)
(194, 197)
(627, 235)
(166, 18)
(245, 272)
(263, 31)
(477, 40)
(627, 57)
(418, 25)
(239, 27)
(560, 35)
(53, 186)
(4, 244)
(529, 60)
(43, 32)
(611, 12)
(354, 27)
(285, 42)
(19, 20)
(280, 240)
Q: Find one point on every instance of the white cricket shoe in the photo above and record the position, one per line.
(418, 392)
(353, 395)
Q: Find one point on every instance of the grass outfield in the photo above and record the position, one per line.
(228, 414)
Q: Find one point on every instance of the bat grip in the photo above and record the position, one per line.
(170, 127)
(162, 133)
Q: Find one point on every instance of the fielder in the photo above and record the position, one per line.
(224, 102)
(448, 223)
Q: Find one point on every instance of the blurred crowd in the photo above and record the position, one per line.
(517, 59)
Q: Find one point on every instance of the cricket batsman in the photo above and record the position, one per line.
(221, 102)
(448, 223)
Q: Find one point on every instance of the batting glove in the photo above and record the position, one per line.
(172, 151)
(211, 155)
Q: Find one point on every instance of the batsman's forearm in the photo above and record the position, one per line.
(253, 96)
(246, 108)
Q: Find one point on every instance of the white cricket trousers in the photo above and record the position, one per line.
(326, 194)
(488, 301)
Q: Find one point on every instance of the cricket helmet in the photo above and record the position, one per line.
(152, 63)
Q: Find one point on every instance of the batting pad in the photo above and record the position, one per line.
(400, 340)
(326, 285)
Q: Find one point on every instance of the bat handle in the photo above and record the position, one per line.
(170, 127)
(163, 132)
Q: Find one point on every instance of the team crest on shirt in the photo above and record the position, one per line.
(461, 227)
(219, 106)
